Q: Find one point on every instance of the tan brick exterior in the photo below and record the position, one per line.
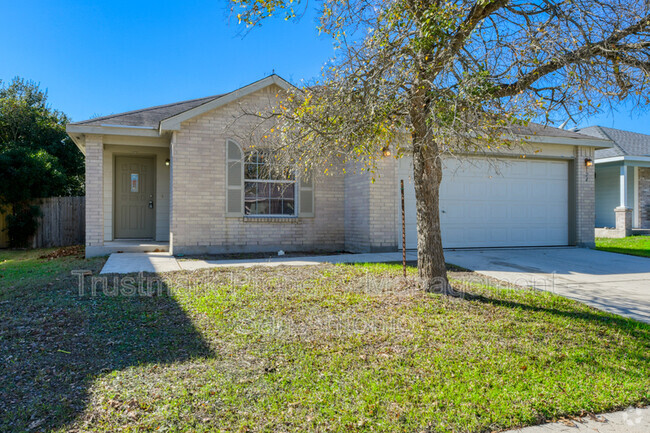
(371, 208)
(357, 211)
(584, 197)
(198, 221)
(644, 197)
(94, 191)
(350, 211)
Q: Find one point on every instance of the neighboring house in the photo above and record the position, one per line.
(622, 182)
(176, 174)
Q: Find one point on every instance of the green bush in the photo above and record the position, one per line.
(21, 224)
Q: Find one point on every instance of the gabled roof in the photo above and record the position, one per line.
(154, 121)
(538, 133)
(169, 116)
(533, 129)
(150, 117)
(626, 143)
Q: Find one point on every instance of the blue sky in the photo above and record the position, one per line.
(98, 57)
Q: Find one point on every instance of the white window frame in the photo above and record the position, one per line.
(295, 183)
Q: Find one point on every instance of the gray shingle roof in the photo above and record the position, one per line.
(536, 129)
(625, 142)
(151, 116)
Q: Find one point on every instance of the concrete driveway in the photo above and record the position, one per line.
(612, 282)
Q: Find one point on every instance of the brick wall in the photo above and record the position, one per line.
(370, 208)
(384, 194)
(585, 196)
(644, 197)
(198, 222)
(357, 210)
(94, 191)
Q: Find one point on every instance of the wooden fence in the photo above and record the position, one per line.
(63, 222)
(4, 236)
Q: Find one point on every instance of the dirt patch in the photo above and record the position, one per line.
(71, 251)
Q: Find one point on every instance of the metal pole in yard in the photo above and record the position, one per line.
(403, 229)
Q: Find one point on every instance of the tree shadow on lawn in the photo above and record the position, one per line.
(638, 330)
(55, 341)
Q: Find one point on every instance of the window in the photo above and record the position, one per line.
(267, 192)
(234, 179)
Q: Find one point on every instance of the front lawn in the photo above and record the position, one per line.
(327, 348)
(634, 245)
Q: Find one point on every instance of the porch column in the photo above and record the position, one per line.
(623, 212)
(623, 186)
(172, 147)
(94, 194)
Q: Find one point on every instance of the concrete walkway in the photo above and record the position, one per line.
(191, 265)
(617, 283)
(612, 282)
(124, 263)
(631, 420)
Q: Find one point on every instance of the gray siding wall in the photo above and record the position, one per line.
(608, 194)
(607, 199)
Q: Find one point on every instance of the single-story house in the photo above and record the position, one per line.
(622, 182)
(175, 177)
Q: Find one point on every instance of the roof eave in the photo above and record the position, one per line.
(596, 143)
(136, 131)
(77, 132)
(77, 140)
(623, 159)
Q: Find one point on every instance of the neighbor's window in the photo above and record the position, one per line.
(266, 191)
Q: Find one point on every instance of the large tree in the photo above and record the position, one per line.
(454, 76)
(37, 158)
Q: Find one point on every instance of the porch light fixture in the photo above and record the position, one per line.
(386, 151)
(167, 162)
(588, 162)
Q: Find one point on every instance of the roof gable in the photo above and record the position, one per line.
(626, 143)
(173, 123)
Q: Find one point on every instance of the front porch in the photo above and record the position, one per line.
(622, 196)
(129, 246)
(127, 194)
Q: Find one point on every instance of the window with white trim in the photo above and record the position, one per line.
(267, 191)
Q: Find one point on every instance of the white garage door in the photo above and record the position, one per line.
(514, 202)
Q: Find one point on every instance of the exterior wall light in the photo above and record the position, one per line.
(588, 162)
(386, 151)
(167, 162)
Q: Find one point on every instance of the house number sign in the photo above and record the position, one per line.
(134, 182)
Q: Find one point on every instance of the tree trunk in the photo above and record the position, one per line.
(427, 175)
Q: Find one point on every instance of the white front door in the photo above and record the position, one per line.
(503, 203)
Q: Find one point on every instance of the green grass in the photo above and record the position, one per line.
(634, 245)
(327, 348)
(22, 270)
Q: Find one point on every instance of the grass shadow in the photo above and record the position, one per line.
(55, 341)
(634, 328)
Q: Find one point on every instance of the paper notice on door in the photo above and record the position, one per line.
(134, 182)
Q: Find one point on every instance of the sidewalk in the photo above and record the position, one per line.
(631, 420)
(124, 263)
(191, 265)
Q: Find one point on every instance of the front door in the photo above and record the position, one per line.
(134, 197)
